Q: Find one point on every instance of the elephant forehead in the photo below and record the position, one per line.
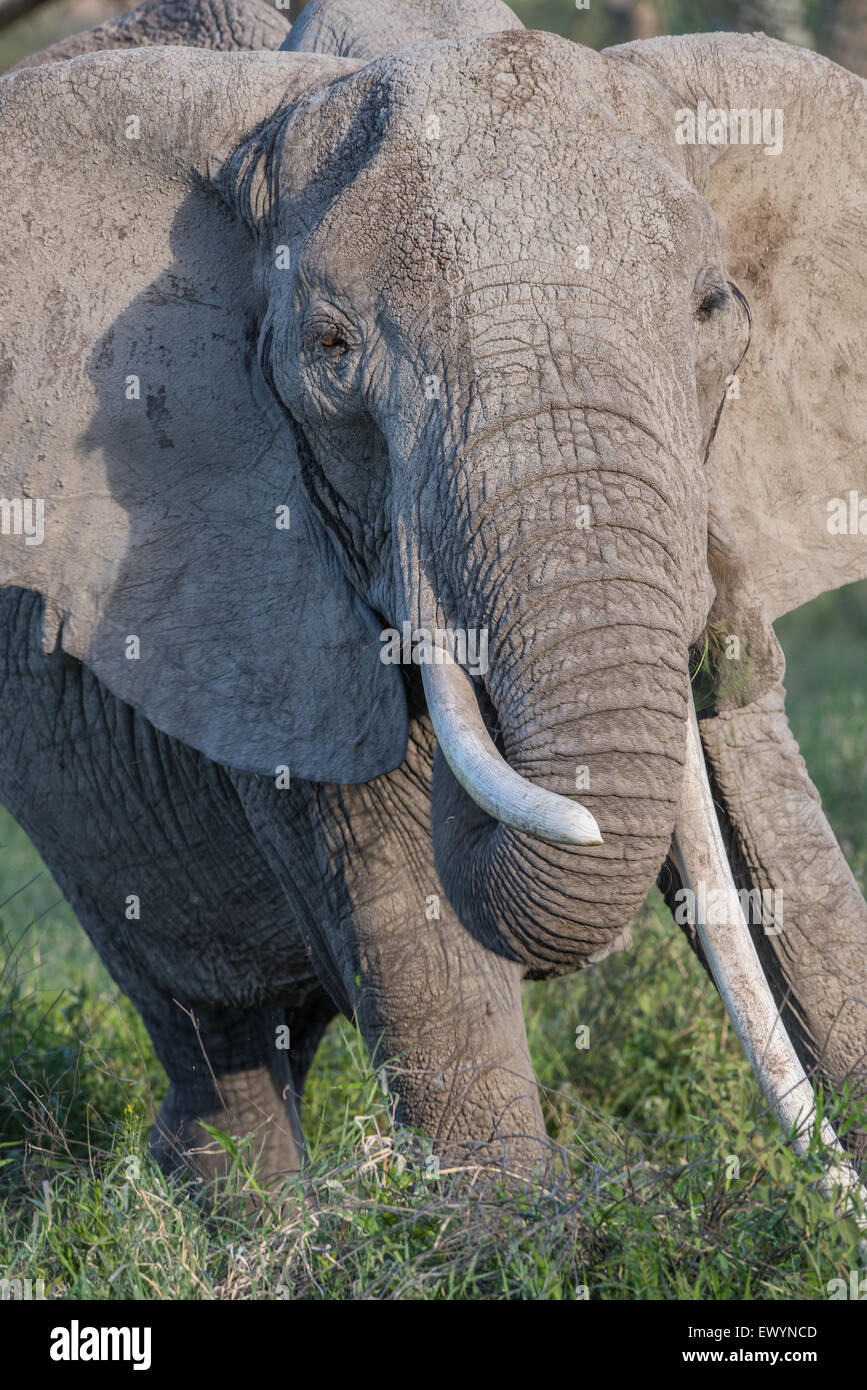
(517, 74)
(488, 100)
(462, 150)
(534, 222)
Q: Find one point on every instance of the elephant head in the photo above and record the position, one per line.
(432, 320)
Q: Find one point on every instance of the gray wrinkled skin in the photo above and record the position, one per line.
(224, 24)
(435, 283)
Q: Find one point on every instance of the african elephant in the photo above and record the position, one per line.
(424, 324)
(222, 24)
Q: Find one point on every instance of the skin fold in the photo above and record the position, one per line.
(452, 296)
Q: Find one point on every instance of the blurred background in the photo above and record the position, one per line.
(837, 28)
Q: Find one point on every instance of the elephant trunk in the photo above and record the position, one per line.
(550, 827)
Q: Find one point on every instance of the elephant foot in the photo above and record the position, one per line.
(263, 1145)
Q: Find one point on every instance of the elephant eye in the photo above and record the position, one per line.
(333, 345)
(326, 337)
(710, 293)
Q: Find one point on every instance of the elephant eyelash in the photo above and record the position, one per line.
(327, 339)
(713, 299)
(741, 298)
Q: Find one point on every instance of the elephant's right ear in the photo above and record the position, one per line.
(774, 137)
(149, 481)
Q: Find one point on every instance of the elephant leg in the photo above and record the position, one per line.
(307, 1025)
(437, 1009)
(149, 843)
(443, 1016)
(232, 1072)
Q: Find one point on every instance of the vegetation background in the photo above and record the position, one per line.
(672, 1182)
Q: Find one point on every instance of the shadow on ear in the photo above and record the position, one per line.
(792, 210)
(136, 412)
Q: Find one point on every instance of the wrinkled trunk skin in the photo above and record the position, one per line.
(777, 838)
(587, 671)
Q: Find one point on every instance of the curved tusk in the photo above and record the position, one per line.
(698, 851)
(485, 775)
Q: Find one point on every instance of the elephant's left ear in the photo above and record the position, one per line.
(791, 446)
(149, 484)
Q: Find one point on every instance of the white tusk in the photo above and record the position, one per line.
(728, 947)
(485, 775)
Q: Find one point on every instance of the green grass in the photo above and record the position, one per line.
(671, 1179)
